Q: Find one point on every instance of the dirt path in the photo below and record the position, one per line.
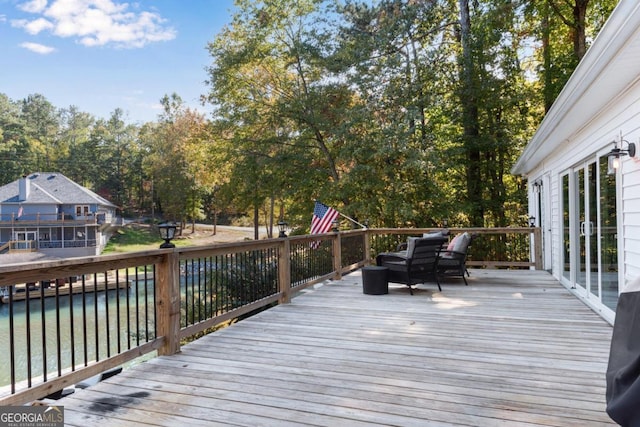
(203, 234)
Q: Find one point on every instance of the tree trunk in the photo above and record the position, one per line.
(576, 25)
(548, 91)
(469, 101)
(579, 34)
(256, 222)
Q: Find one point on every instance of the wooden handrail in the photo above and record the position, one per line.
(167, 264)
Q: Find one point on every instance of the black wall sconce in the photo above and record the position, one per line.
(335, 225)
(537, 186)
(532, 221)
(616, 152)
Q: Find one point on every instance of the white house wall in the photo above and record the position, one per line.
(631, 216)
(597, 135)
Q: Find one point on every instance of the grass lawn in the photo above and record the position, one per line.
(135, 237)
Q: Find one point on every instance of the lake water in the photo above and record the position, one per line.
(117, 330)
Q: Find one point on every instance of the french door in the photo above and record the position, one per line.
(590, 244)
(25, 235)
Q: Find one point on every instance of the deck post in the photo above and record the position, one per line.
(168, 303)
(537, 246)
(367, 247)
(284, 271)
(337, 256)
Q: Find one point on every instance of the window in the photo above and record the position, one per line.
(82, 210)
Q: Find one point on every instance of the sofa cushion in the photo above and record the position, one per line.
(462, 242)
(452, 243)
(411, 245)
(444, 232)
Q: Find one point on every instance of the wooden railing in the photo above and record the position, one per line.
(22, 246)
(505, 247)
(157, 299)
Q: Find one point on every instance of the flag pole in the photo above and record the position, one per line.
(352, 220)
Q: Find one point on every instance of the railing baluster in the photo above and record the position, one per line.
(96, 330)
(12, 340)
(58, 340)
(71, 327)
(146, 302)
(118, 326)
(137, 298)
(201, 298)
(28, 337)
(43, 331)
(193, 293)
(155, 303)
(85, 344)
(106, 310)
(128, 307)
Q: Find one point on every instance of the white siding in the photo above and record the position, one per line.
(595, 138)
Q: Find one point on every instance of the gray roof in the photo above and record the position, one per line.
(51, 188)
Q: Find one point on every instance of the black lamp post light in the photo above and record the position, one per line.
(532, 221)
(282, 227)
(335, 225)
(167, 233)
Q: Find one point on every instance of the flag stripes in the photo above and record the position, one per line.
(323, 217)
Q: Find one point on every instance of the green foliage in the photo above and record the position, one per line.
(402, 113)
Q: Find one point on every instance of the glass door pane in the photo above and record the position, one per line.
(591, 231)
(566, 234)
(608, 236)
(581, 276)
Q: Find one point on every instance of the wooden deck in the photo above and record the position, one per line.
(511, 349)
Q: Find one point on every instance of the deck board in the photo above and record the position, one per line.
(512, 349)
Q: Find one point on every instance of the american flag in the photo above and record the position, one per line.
(322, 220)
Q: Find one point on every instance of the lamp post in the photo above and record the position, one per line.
(335, 225)
(167, 233)
(282, 226)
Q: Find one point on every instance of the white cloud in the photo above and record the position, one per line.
(96, 22)
(37, 48)
(32, 27)
(33, 6)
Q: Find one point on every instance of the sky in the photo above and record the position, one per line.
(99, 55)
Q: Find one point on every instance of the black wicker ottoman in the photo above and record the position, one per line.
(374, 280)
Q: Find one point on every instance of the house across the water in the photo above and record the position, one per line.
(48, 213)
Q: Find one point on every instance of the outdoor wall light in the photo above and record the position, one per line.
(537, 186)
(335, 225)
(616, 152)
(167, 233)
(532, 221)
(282, 226)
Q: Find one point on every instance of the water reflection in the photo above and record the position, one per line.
(113, 324)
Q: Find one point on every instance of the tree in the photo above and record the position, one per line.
(41, 127)
(557, 22)
(276, 103)
(176, 160)
(74, 136)
(14, 145)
